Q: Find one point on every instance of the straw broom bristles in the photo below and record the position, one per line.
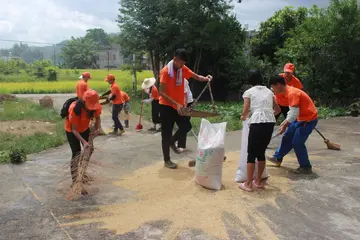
(79, 172)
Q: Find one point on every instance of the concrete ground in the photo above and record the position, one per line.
(135, 197)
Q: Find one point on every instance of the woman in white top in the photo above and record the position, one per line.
(260, 101)
(188, 101)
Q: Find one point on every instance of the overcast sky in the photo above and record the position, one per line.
(55, 20)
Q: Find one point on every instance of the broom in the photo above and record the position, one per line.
(330, 145)
(81, 177)
(139, 126)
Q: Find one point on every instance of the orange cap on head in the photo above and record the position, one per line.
(110, 77)
(289, 67)
(91, 99)
(85, 75)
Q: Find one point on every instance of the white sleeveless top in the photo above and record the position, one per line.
(261, 104)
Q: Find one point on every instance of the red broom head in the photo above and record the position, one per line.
(139, 126)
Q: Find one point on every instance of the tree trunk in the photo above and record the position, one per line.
(198, 61)
(157, 66)
(153, 63)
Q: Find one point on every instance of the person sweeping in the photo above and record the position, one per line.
(117, 104)
(260, 101)
(149, 87)
(77, 125)
(172, 102)
(301, 120)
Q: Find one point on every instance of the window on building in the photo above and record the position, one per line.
(114, 57)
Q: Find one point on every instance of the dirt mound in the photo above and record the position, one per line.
(26, 128)
(4, 97)
(46, 102)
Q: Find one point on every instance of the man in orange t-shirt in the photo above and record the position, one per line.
(82, 85)
(301, 120)
(117, 104)
(77, 124)
(172, 102)
(290, 80)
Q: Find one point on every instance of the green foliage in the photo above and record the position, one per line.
(355, 106)
(326, 50)
(17, 156)
(99, 37)
(79, 53)
(274, 32)
(23, 51)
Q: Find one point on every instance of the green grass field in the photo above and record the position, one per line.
(67, 78)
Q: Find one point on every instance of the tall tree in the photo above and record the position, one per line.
(79, 53)
(326, 51)
(99, 37)
(274, 31)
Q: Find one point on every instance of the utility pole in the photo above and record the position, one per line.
(134, 74)
(54, 56)
(108, 57)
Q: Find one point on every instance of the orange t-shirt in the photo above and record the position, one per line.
(115, 90)
(81, 87)
(294, 82)
(307, 109)
(154, 93)
(82, 121)
(125, 97)
(173, 91)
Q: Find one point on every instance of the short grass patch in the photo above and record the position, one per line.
(28, 112)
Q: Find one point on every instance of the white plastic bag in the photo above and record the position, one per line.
(210, 154)
(241, 173)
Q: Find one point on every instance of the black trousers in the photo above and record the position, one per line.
(182, 139)
(259, 139)
(155, 112)
(284, 111)
(75, 146)
(169, 116)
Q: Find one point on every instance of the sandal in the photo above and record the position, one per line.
(257, 185)
(243, 186)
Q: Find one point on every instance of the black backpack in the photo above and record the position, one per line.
(65, 109)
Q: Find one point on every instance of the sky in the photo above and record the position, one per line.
(53, 21)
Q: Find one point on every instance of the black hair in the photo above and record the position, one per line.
(255, 77)
(181, 54)
(277, 79)
(80, 104)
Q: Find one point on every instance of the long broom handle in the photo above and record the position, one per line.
(141, 107)
(320, 134)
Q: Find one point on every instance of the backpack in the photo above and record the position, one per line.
(65, 109)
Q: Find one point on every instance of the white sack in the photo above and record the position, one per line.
(210, 154)
(241, 173)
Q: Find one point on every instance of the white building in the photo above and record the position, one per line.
(110, 58)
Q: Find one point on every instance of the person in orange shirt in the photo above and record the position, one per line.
(301, 120)
(82, 85)
(126, 100)
(290, 80)
(117, 104)
(77, 124)
(172, 102)
(149, 87)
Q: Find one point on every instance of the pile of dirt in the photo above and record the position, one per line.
(26, 128)
(4, 97)
(46, 102)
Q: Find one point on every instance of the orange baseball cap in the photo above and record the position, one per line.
(289, 67)
(110, 77)
(85, 75)
(91, 99)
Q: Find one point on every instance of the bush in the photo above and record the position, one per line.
(52, 74)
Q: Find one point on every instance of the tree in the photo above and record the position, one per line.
(274, 32)
(207, 29)
(99, 37)
(79, 53)
(326, 50)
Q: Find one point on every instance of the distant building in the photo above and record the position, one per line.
(110, 58)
